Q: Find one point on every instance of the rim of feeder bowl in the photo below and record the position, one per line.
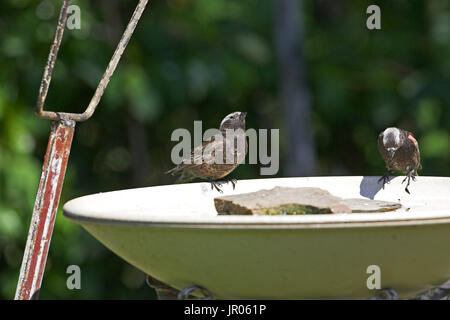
(192, 205)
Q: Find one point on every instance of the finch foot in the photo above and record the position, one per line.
(385, 179)
(410, 175)
(233, 182)
(217, 185)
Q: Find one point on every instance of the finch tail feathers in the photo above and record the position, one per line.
(184, 176)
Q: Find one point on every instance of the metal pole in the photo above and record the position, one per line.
(45, 208)
(56, 158)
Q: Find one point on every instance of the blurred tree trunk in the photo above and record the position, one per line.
(140, 155)
(293, 92)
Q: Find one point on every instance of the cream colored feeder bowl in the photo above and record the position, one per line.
(174, 234)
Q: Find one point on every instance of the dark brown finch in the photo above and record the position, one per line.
(400, 151)
(208, 168)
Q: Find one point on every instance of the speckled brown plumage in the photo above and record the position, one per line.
(400, 152)
(205, 166)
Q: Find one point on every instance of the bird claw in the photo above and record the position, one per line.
(233, 182)
(410, 175)
(385, 179)
(216, 185)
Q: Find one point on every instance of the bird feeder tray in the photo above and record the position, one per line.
(174, 234)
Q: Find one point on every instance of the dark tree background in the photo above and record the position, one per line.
(310, 68)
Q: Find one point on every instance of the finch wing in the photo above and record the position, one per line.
(416, 145)
(195, 159)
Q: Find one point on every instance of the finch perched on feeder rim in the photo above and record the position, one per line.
(207, 167)
(400, 151)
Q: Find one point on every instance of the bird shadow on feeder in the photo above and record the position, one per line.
(370, 186)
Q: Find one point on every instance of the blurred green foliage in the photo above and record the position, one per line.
(201, 59)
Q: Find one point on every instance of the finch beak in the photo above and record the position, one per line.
(392, 152)
(243, 114)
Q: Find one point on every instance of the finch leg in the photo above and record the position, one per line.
(233, 182)
(385, 179)
(216, 184)
(409, 176)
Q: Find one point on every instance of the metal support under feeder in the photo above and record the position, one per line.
(56, 158)
(166, 292)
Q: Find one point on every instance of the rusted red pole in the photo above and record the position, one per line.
(56, 157)
(45, 208)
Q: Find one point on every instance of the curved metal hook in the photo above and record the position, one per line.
(47, 77)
